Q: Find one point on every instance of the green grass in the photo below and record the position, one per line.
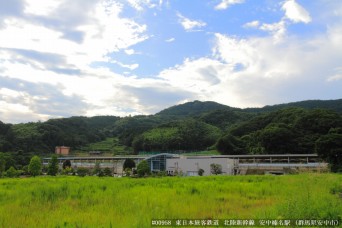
(68, 201)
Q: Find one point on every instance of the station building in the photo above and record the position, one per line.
(175, 164)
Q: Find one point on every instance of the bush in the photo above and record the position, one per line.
(200, 172)
(35, 166)
(107, 172)
(143, 169)
(67, 171)
(53, 166)
(12, 172)
(128, 172)
(81, 171)
(215, 169)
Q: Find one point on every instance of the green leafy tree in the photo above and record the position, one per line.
(12, 172)
(143, 168)
(229, 144)
(2, 164)
(53, 166)
(35, 166)
(277, 139)
(329, 147)
(215, 169)
(25, 170)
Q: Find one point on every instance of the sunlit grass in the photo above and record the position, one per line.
(125, 202)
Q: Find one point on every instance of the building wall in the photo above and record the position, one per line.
(64, 150)
(190, 166)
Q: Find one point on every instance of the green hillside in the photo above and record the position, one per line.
(335, 105)
(195, 108)
(193, 126)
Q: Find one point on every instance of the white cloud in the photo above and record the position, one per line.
(140, 4)
(38, 52)
(42, 8)
(129, 51)
(46, 73)
(170, 40)
(128, 66)
(17, 113)
(337, 75)
(106, 32)
(252, 24)
(188, 24)
(278, 29)
(224, 4)
(296, 12)
(256, 71)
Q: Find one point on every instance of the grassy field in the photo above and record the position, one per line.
(68, 201)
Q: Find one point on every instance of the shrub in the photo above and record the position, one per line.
(107, 172)
(35, 166)
(216, 169)
(200, 172)
(12, 172)
(53, 166)
(143, 169)
(81, 171)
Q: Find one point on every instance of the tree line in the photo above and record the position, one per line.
(191, 126)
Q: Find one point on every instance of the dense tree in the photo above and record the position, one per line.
(2, 164)
(143, 169)
(194, 108)
(290, 130)
(230, 144)
(12, 172)
(277, 139)
(188, 134)
(53, 166)
(35, 166)
(329, 147)
(191, 126)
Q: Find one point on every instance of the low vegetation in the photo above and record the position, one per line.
(70, 201)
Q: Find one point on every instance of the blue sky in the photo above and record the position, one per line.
(62, 58)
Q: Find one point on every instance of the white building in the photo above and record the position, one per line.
(189, 166)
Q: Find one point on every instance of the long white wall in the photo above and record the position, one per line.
(190, 166)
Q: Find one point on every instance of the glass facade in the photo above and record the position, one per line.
(158, 162)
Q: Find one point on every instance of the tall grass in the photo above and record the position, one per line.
(124, 202)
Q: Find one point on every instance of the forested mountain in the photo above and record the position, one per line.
(335, 105)
(194, 108)
(42, 137)
(300, 127)
(288, 131)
